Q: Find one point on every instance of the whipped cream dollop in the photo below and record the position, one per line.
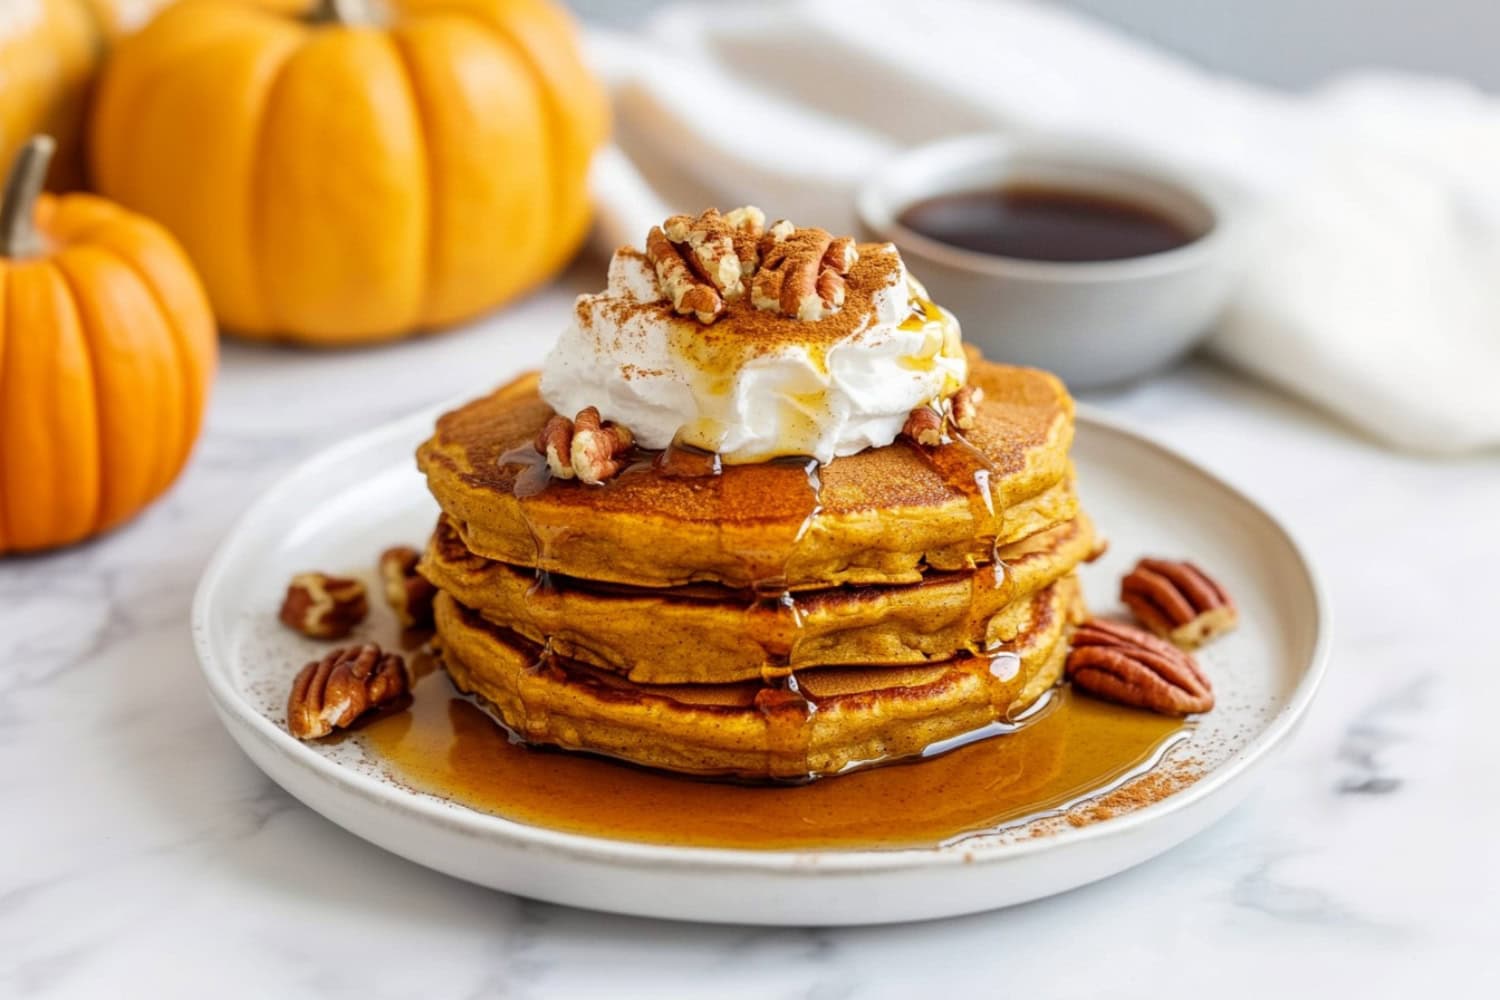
(754, 386)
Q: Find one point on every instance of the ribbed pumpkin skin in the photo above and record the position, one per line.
(337, 184)
(107, 351)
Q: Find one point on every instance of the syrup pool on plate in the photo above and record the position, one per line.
(1074, 748)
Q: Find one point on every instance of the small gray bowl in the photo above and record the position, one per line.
(1094, 322)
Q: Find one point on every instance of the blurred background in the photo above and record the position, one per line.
(1288, 43)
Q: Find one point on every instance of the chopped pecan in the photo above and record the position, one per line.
(331, 693)
(802, 271)
(703, 262)
(408, 592)
(747, 225)
(322, 606)
(963, 407)
(1178, 601)
(1124, 664)
(690, 293)
(924, 426)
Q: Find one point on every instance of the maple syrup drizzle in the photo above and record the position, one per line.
(1067, 749)
(786, 706)
(531, 479)
(683, 461)
(964, 467)
(534, 475)
(772, 616)
(1035, 712)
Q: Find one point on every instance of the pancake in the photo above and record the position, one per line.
(827, 722)
(882, 516)
(709, 634)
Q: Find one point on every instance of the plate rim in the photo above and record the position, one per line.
(461, 819)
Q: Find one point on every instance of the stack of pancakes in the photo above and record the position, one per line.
(779, 620)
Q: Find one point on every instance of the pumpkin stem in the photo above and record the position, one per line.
(18, 235)
(342, 12)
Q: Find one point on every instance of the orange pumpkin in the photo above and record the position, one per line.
(47, 53)
(107, 349)
(339, 180)
(50, 51)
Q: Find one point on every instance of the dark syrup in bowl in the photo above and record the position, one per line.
(1045, 223)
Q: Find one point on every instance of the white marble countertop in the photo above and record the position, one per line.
(141, 854)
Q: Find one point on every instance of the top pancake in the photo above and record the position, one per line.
(880, 516)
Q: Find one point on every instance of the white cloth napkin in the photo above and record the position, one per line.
(1373, 284)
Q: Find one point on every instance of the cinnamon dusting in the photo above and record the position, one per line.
(1169, 778)
(756, 331)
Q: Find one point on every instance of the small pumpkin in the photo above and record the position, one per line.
(343, 177)
(48, 49)
(107, 349)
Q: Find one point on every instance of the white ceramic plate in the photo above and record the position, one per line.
(341, 508)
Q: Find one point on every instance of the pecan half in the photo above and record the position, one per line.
(802, 271)
(322, 606)
(1178, 601)
(1124, 664)
(555, 442)
(927, 425)
(924, 426)
(407, 592)
(963, 407)
(586, 447)
(599, 449)
(331, 693)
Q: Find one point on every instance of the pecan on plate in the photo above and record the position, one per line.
(1128, 665)
(1178, 601)
(407, 592)
(321, 606)
(331, 693)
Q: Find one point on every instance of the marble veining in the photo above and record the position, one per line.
(1376, 735)
(141, 854)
